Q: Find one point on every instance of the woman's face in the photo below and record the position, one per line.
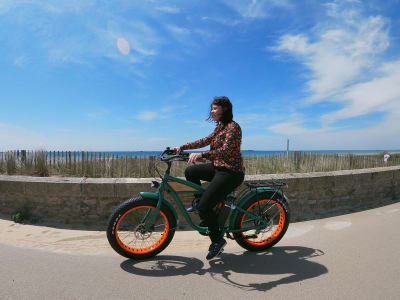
(216, 112)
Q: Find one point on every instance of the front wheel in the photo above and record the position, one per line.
(125, 230)
(273, 212)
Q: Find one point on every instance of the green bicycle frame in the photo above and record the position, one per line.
(193, 188)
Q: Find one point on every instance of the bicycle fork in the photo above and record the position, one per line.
(153, 216)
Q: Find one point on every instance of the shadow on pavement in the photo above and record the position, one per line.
(291, 262)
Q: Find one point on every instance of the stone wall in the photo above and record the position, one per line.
(89, 201)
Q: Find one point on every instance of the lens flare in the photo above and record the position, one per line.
(123, 46)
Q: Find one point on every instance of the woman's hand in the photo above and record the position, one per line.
(195, 157)
(177, 150)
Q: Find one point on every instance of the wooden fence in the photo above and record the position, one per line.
(105, 164)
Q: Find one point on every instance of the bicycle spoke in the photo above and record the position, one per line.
(128, 231)
(269, 211)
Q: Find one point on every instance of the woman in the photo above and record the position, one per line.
(225, 172)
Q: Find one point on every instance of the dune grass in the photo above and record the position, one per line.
(94, 164)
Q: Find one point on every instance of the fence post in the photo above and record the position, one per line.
(112, 166)
(23, 156)
(82, 163)
(151, 166)
(140, 166)
(297, 160)
(100, 166)
(50, 159)
(126, 166)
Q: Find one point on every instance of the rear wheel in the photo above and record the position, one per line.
(125, 230)
(273, 212)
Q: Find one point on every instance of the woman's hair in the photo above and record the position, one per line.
(227, 115)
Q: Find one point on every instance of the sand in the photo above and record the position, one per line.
(86, 242)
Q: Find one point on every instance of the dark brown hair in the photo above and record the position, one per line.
(225, 103)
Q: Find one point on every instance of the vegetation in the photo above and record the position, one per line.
(24, 215)
(94, 164)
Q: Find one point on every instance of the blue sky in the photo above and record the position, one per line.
(140, 75)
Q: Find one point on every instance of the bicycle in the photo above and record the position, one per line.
(143, 226)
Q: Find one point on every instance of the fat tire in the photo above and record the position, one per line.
(119, 212)
(238, 236)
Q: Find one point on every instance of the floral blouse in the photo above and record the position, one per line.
(224, 144)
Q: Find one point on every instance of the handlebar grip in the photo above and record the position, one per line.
(171, 153)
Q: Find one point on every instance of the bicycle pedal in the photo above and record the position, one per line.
(229, 236)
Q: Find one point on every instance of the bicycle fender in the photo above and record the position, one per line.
(154, 196)
(251, 194)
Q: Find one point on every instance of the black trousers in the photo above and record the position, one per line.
(222, 182)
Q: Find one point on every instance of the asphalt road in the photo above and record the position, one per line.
(355, 256)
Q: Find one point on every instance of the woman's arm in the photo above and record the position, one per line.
(199, 143)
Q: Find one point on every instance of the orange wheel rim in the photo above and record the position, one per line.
(276, 231)
(146, 248)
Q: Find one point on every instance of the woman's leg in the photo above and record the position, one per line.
(221, 185)
(195, 173)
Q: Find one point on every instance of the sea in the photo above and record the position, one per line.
(256, 152)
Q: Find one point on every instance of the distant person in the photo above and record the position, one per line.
(386, 157)
(225, 172)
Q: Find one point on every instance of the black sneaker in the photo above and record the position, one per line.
(195, 205)
(216, 249)
(191, 209)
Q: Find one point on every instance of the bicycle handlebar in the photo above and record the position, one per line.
(168, 155)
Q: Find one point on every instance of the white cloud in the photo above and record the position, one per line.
(341, 53)
(380, 94)
(346, 64)
(177, 109)
(20, 61)
(64, 6)
(382, 136)
(262, 121)
(256, 9)
(96, 38)
(189, 38)
(141, 38)
(70, 50)
(98, 114)
(147, 115)
(288, 128)
(138, 46)
(208, 36)
(169, 9)
(223, 21)
(297, 128)
(166, 112)
(179, 93)
(60, 7)
(178, 31)
(263, 142)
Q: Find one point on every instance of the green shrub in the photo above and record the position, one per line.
(21, 215)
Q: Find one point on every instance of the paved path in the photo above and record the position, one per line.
(355, 256)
